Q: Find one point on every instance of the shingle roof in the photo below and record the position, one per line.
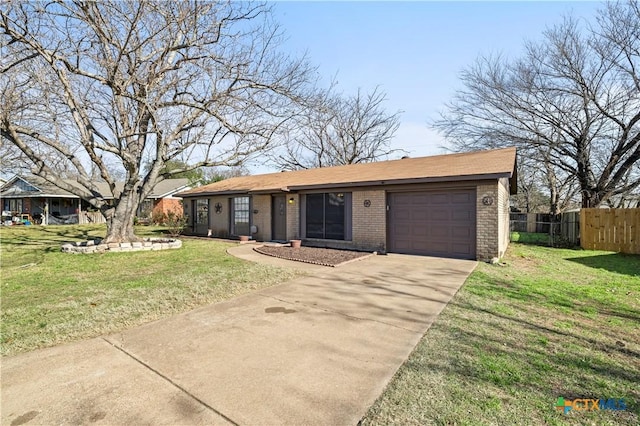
(168, 187)
(463, 166)
(44, 188)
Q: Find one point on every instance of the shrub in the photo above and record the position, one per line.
(158, 218)
(175, 223)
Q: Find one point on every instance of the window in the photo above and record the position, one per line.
(326, 215)
(145, 209)
(202, 211)
(240, 216)
(13, 205)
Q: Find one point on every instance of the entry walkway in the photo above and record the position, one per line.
(315, 350)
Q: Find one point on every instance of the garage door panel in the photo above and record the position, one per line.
(402, 200)
(404, 214)
(462, 215)
(461, 249)
(440, 199)
(440, 214)
(419, 232)
(461, 232)
(440, 233)
(403, 245)
(435, 223)
(461, 198)
(419, 215)
(419, 199)
(402, 230)
(419, 245)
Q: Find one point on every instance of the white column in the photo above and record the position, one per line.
(45, 220)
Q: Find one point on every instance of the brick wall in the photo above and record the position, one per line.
(369, 223)
(293, 217)
(487, 226)
(262, 219)
(166, 205)
(503, 215)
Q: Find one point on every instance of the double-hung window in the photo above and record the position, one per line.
(327, 215)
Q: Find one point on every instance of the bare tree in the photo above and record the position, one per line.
(530, 197)
(336, 130)
(86, 85)
(572, 102)
(216, 174)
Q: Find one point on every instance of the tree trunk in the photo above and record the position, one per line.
(120, 219)
(590, 198)
(552, 183)
(553, 202)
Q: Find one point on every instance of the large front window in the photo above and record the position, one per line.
(240, 216)
(325, 216)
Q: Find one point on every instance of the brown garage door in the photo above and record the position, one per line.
(434, 223)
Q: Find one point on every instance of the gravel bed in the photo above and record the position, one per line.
(317, 256)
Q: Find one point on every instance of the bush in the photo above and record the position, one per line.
(175, 223)
(158, 218)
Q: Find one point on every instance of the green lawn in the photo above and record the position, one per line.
(49, 297)
(549, 323)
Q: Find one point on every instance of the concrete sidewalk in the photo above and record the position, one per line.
(316, 350)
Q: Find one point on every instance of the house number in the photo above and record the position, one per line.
(487, 200)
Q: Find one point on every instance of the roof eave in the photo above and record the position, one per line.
(38, 195)
(212, 193)
(173, 192)
(488, 176)
(245, 191)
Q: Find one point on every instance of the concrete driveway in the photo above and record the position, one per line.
(316, 350)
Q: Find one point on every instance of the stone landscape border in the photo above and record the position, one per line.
(95, 246)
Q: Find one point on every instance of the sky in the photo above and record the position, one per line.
(414, 51)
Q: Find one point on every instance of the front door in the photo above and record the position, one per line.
(279, 217)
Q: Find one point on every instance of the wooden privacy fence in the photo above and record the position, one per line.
(610, 229)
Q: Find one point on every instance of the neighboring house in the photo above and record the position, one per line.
(32, 194)
(163, 200)
(453, 205)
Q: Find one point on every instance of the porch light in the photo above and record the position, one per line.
(291, 200)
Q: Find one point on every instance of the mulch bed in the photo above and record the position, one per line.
(317, 256)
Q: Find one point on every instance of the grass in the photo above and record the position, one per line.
(49, 297)
(548, 323)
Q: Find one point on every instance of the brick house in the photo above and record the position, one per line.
(454, 205)
(162, 199)
(30, 194)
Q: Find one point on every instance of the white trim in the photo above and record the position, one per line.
(169, 194)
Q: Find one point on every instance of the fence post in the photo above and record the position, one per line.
(531, 222)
